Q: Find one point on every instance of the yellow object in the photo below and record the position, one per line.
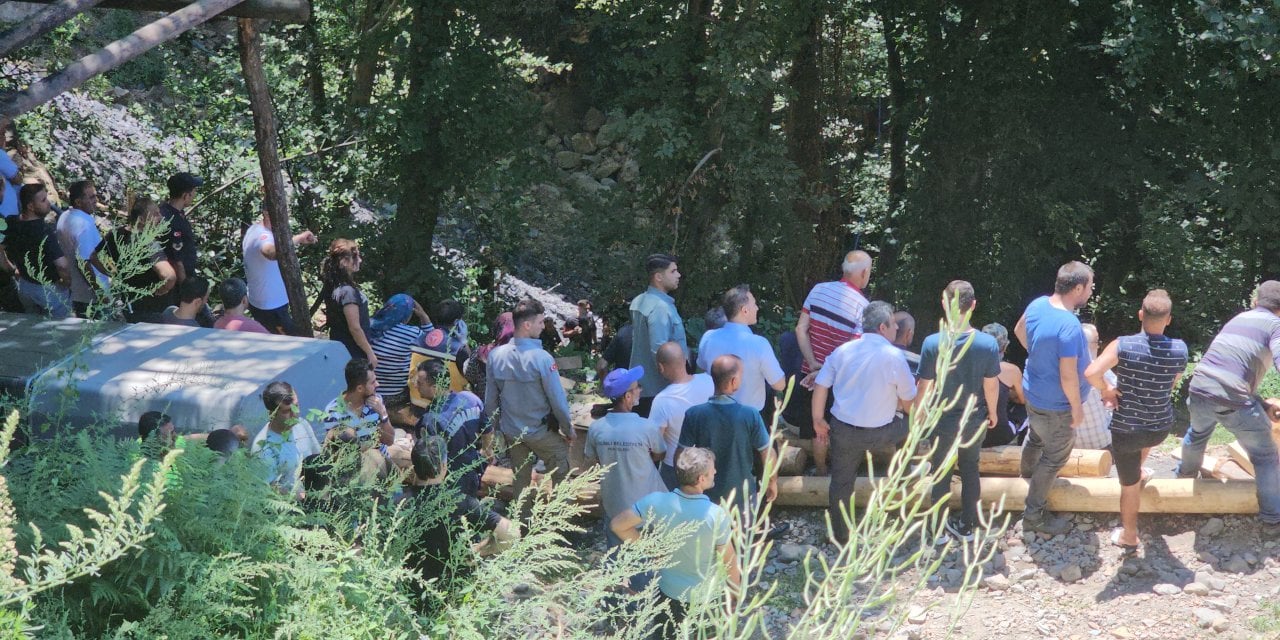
(457, 381)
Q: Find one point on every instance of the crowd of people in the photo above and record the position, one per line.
(687, 430)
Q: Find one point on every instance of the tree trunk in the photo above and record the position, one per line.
(897, 185)
(368, 52)
(264, 133)
(289, 11)
(47, 20)
(113, 55)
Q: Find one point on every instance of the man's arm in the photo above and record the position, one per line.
(303, 239)
(1095, 372)
(589, 451)
(168, 279)
(730, 559)
(1020, 331)
(818, 405)
(1070, 379)
(767, 456)
(802, 341)
(991, 392)
(557, 399)
(660, 333)
(922, 388)
(5, 264)
(386, 432)
(773, 373)
(64, 270)
(626, 525)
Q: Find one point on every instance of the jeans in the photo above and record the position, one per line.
(275, 320)
(44, 299)
(1046, 451)
(849, 446)
(548, 445)
(966, 466)
(1252, 428)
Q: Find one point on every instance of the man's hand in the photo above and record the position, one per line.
(241, 433)
(375, 402)
(1077, 416)
(993, 420)
(821, 430)
(808, 380)
(305, 238)
(373, 360)
(1273, 408)
(771, 492)
(1110, 397)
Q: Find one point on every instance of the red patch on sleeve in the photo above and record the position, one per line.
(554, 367)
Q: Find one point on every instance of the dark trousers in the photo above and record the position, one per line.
(275, 320)
(849, 446)
(644, 407)
(966, 466)
(667, 623)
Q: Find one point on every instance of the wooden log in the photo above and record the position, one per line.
(290, 11)
(569, 363)
(1174, 495)
(792, 461)
(47, 20)
(113, 55)
(277, 201)
(1241, 457)
(1219, 468)
(1007, 461)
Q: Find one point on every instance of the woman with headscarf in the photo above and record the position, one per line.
(393, 340)
(504, 329)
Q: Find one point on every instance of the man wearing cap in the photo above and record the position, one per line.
(180, 247)
(268, 298)
(631, 444)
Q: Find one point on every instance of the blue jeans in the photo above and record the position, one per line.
(1252, 429)
(44, 299)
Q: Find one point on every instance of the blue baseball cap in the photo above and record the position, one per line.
(619, 381)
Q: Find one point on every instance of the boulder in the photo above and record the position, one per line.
(630, 171)
(606, 168)
(568, 159)
(582, 143)
(609, 133)
(593, 120)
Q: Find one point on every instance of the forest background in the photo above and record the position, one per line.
(758, 141)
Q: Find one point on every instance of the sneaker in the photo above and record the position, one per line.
(1270, 531)
(1046, 525)
(959, 529)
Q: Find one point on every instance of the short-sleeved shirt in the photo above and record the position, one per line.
(1238, 358)
(980, 362)
(654, 322)
(1094, 431)
(170, 316)
(339, 414)
(339, 330)
(618, 353)
(760, 368)
(626, 441)
(429, 554)
(671, 404)
(79, 236)
(284, 453)
(1052, 334)
(180, 245)
(394, 349)
(266, 285)
(734, 433)
(147, 280)
(9, 170)
(239, 323)
(867, 378)
(1147, 366)
(696, 559)
(32, 243)
(460, 420)
(835, 317)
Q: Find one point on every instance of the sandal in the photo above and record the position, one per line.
(1125, 549)
(1147, 473)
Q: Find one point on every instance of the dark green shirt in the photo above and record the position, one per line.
(734, 433)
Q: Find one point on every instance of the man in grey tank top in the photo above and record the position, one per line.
(1148, 366)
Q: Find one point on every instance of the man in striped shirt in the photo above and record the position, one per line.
(1148, 366)
(832, 316)
(1224, 390)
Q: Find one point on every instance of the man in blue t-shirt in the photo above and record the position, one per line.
(974, 374)
(734, 432)
(1054, 385)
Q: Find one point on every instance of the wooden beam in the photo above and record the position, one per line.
(1240, 456)
(1164, 495)
(290, 11)
(113, 55)
(266, 138)
(1219, 468)
(1007, 461)
(47, 20)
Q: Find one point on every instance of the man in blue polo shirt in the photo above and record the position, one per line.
(760, 368)
(1054, 385)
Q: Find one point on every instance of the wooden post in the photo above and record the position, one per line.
(47, 20)
(113, 55)
(264, 133)
(291, 11)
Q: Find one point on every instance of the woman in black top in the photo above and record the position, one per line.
(345, 306)
(1011, 421)
(147, 275)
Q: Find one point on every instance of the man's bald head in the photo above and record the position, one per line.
(726, 372)
(857, 268)
(670, 359)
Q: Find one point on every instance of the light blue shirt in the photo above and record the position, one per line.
(867, 378)
(655, 321)
(283, 453)
(523, 381)
(9, 171)
(696, 559)
(760, 368)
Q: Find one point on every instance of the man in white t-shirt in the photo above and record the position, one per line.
(285, 441)
(268, 298)
(760, 368)
(78, 236)
(669, 406)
